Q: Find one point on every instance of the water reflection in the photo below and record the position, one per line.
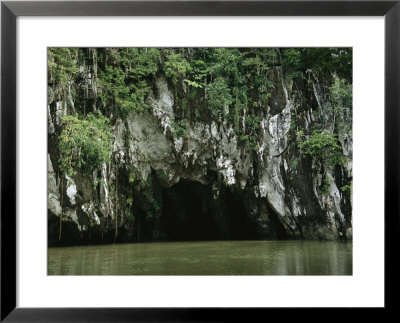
(205, 258)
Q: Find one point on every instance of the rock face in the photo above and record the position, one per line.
(209, 185)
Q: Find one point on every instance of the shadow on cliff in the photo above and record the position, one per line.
(190, 211)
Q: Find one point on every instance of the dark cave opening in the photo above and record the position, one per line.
(190, 212)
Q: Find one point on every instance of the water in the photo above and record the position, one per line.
(204, 258)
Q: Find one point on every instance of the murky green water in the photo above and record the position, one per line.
(205, 258)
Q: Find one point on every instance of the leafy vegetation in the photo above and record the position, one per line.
(179, 128)
(124, 78)
(229, 84)
(299, 62)
(84, 143)
(252, 129)
(219, 97)
(175, 66)
(321, 147)
(346, 187)
(63, 68)
(341, 96)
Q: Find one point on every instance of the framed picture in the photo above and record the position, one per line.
(286, 83)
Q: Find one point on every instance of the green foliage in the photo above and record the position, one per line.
(193, 83)
(133, 175)
(292, 62)
(295, 162)
(224, 61)
(346, 187)
(341, 96)
(252, 129)
(216, 78)
(143, 195)
(326, 182)
(179, 128)
(294, 121)
(175, 67)
(116, 91)
(129, 201)
(63, 68)
(129, 216)
(148, 197)
(141, 62)
(84, 143)
(232, 83)
(124, 78)
(341, 93)
(197, 73)
(128, 213)
(297, 62)
(219, 97)
(321, 147)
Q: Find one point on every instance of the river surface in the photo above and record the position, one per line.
(205, 258)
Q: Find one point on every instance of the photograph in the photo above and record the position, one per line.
(199, 161)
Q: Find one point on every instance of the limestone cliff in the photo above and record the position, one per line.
(208, 183)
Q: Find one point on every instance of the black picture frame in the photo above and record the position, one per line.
(10, 10)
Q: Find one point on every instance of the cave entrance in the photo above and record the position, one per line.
(190, 212)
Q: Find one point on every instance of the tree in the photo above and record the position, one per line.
(124, 78)
(84, 145)
(176, 67)
(62, 68)
(341, 97)
(321, 147)
(219, 96)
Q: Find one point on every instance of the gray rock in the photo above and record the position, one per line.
(276, 187)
